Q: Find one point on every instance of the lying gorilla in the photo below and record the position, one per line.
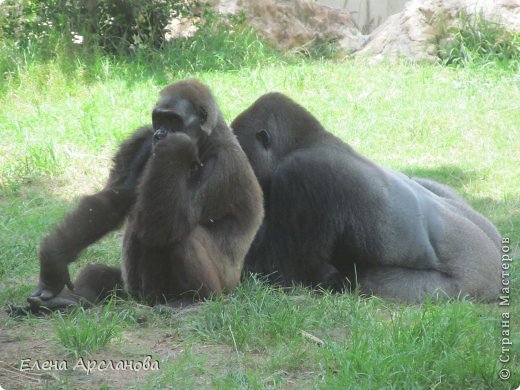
(332, 215)
(194, 206)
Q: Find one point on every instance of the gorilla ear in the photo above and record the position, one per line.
(264, 138)
(208, 119)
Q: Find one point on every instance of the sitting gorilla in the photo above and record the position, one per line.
(193, 205)
(332, 216)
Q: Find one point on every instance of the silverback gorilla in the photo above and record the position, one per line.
(332, 215)
(194, 206)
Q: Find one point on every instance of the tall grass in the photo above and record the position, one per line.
(480, 42)
(82, 332)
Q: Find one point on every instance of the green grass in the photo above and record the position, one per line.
(480, 42)
(368, 343)
(460, 126)
(82, 333)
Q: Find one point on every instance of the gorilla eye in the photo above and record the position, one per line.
(166, 119)
(264, 138)
(172, 123)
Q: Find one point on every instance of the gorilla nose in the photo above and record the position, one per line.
(159, 134)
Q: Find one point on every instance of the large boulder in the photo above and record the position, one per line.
(416, 31)
(291, 24)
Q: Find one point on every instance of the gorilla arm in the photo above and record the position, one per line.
(294, 243)
(95, 216)
(183, 187)
(164, 212)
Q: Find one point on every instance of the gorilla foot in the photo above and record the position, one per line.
(38, 305)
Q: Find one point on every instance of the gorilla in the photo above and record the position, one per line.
(335, 219)
(193, 204)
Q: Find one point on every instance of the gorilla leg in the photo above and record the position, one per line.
(463, 207)
(481, 222)
(406, 284)
(182, 273)
(196, 275)
(94, 284)
(462, 268)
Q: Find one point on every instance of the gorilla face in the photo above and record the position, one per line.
(177, 115)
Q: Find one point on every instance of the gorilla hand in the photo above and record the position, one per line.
(176, 148)
(54, 276)
(159, 135)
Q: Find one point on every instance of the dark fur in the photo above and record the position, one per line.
(331, 215)
(193, 202)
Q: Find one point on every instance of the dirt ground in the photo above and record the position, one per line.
(27, 343)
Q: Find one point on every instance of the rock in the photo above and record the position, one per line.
(416, 31)
(181, 27)
(291, 24)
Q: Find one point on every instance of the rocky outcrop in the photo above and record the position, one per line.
(291, 24)
(416, 31)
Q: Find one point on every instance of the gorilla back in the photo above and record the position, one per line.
(332, 215)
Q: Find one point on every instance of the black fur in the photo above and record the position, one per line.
(332, 215)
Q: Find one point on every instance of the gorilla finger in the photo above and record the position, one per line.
(32, 301)
(36, 305)
(46, 295)
(36, 293)
(70, 285)
(57, 303)
(159, 134)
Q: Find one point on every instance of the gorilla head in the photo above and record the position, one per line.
(276, 133)
(186, 106)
